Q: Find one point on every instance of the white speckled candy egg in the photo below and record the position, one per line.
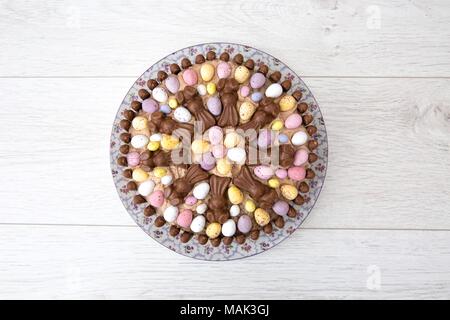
(237, 155)
(235, 210)
(214, 105)
(274, 90)
(156, 137)
(201, 190)
(166, 180)
(246, 110)
(215, 135)
(263, 172)
(201, 89)
(146, 187)
(201, 208)
(223, 70)
(229, 228)
(299, 138)
(181, 114)
(207, 71)
(170, 213)
(172, 83)
(160, 94)
(139, 141)
(198, 224)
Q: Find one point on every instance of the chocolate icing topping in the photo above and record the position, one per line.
(182, 186)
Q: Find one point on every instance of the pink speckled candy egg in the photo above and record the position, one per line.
(264, 138)
(245, 91)
(293, 121)
(185, 218)
(190, 200)
(190, 77)
(133, 159)
(214, 105)
(150, 105)
(281, 208)
(172, 83)
(215, 135)
(208, 162)
(300, 157)
(223, 70)
(296, 173)
(156, 199)
(219, 151)
(257, 80)
(244, 224)
(263, 172)
(281, 173)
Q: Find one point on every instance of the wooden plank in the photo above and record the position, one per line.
(316, 38)
(121, 262)
(388, 164)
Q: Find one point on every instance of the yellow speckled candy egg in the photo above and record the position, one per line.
(173, 103)
(232, 139)
(211, 88)
(241, 74)
(249, 206)
(159, 172)
(277, 125)
(262, 217)
(213, 230)
(289, 191)
(235, 195)
(287, 103)
(139, 175)
(200, 146)
(169, 142)
(153, 145)
(273, 183)
(207, 71)
(223, 166)
(139, 123)
(246, 110)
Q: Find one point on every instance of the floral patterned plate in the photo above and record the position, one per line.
(250, 247)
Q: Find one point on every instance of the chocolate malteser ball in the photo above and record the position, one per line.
(250, 64)
(240, 239)
(227, 240)
(297, 94)
(312, 157)
(224, 56)
(125, 124)
(299, 200)
(129, 114)
(303, 188)
(286, 85)
(313, 144)
(143, 94)
(122, 161)
(311, 130)
(174, 231)
(161, 76)
(159, 221)
(238, 59)
(211, 55)
(149, 211)
(254, 235)
(124, 149)
(310, 174)
(307, 119)
(138, 199)
(199, 59)
(202, 239)
(275, 77)
(131, 186)
(185, 63)
(136, 105)
(215, 242)
(174, 68)
(292, 213)
(125, 137)
(268, 228)
(264, 69)
(279, 222)
(128, 173)
(302, 107)
(185, 237)
(152, 84)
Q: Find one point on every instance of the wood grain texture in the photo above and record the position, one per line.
(122, 262)
(389, 161)
(327, 37)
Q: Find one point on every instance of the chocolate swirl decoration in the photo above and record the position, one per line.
(261, 193)
(266, 112)
(217, 202)
(182, 186)
(229, 97)
(160, 123)
(195, 105)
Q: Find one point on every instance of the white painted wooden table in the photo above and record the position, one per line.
(380, 71)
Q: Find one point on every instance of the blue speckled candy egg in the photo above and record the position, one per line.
(282, 138)
(256, 96)
(165, 109)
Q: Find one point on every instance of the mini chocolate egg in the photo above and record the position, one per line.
(165, 109)
(237, 155)
(170, 213)
(289, 192)
(201, 190)
(160, 94)
(182, 114)
(300, 157)
(223, 166)
(229, 228)
(156, 137)
(256, 96)
(153, 145)
(249, 206)
(234, 210)
(190, 77)
(235, 195)
(200, 146)
(133, 159)
(223, 70)
(287, 103)
(244, 224)
(257, 80)
(201, 89)
(215, 135)
(190, 200)
(214, 105)
(172, 84)
(273, 183)
(184, 219)
(296, 173)
(201, 208)
(232, 139)
(169, 142)
(293, 121)
(207, 72)
(159, 172)
(150, 105)
(198, 224)
(241, 74)
(264, 138)
(219, 151)
(139, 123)
(166, 180)
(262, 217)
(245, 91)
(139, 175)
(282, 138)
(173, 103)
(281, 207)
(274, 90)
(281, 173)
(146, 187)
(213, 230)
(299, 138)
(211, 88)
(263, 172)
(207, 162)
(156, 199)
(246, 110)
(139, 141)
(277, 125)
